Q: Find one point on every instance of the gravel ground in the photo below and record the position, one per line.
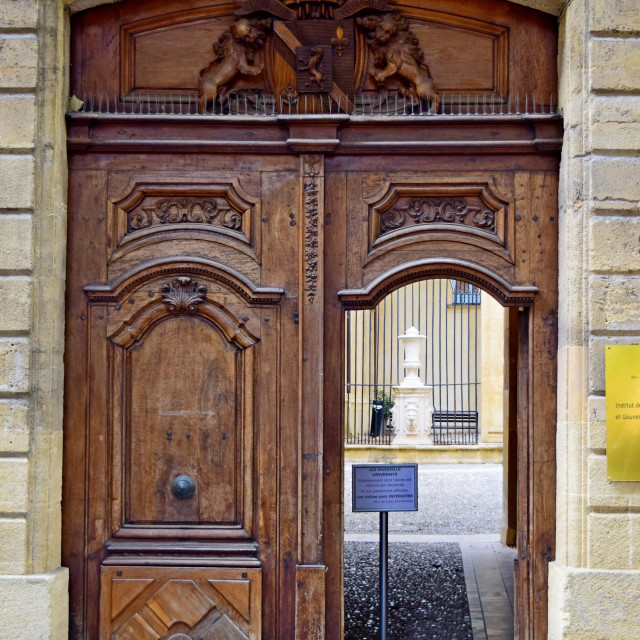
(427, 594)
(452, 500)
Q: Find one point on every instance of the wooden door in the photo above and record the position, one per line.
(214, 246)
(513, 257)
(171, 400)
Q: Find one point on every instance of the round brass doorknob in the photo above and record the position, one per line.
(184, 487)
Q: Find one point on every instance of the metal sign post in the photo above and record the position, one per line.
(384, 573)
(384, 488)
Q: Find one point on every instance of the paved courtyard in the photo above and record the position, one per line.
(449, 576)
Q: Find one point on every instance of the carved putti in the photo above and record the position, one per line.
(183, 294)
(396, 55)
(233, 57)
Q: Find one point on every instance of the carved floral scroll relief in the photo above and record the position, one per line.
(193, 210)
(434, 210)
(155, 208)
(410, 211)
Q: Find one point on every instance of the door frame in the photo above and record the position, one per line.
(535, 536)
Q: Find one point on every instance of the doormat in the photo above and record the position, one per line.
(427, 592)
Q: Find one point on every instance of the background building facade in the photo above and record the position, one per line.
(595, 577)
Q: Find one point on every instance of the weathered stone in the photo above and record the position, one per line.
(570, 488)
(615, 64)
(612, 137)
(14, 426)
(14, 365)
(615, 17)
(15, 293)
(18, 62)
(13, 546)
(608, 541)
(612, 109)
(570, 385)
(14, 485)
(634, 519)
(18, 14)
(614, 244)
(615, 178)
(16, 182)
(35, 606)
(16, 237)
(604, 493)
(17, 122)
(589, 604)
(597, 432)
(615, 301)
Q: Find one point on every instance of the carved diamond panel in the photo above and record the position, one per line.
(181, 603)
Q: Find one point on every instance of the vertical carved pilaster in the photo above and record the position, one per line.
(310, 573)
(311, 210)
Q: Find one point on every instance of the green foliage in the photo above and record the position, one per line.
(387, 402)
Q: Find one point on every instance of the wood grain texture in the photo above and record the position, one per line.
(210, 263)
(137, 604)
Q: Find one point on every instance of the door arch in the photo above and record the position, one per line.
(526, 514)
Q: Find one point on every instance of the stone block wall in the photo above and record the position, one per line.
(596, 575)
(33, 586)
(595, 579)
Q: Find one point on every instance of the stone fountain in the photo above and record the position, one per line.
(413, 400)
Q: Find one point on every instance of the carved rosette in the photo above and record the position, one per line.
(438, 210)
(310, 177)
(183, 294)
(192, 211)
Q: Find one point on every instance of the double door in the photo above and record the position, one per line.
(206, 295)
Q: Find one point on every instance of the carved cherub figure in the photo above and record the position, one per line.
(396, 52)
(234, 55)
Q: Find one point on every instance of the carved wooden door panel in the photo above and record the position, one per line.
(171, 406)
(490, 222)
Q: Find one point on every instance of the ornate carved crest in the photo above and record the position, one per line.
(183, 294)
(315, 43)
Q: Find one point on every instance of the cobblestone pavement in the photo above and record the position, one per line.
(427, 592)
(427, 589)
(452, 499)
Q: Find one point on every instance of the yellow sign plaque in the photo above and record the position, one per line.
(622, 366)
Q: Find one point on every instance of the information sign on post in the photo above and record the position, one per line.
(384, 488)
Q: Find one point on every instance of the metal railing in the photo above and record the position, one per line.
(374, 359)
(256, 103)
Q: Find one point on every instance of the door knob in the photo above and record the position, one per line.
(184, 487)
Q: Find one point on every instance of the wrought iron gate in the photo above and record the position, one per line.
(447, 312)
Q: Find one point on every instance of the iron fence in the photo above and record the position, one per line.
(447, 313)
(258, 103)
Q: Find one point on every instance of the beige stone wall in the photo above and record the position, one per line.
(595, 580)
(596, 576)
(33, 586)
(491, 370)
